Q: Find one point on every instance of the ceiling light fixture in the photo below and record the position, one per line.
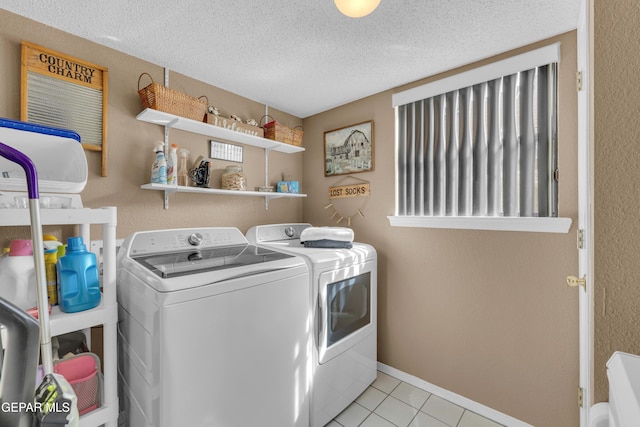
(356, 8)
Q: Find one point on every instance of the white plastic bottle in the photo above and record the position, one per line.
(18, 275)
(172, 165)
(159, 167)
(183, 168)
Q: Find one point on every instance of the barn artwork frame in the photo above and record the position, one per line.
(349, 150)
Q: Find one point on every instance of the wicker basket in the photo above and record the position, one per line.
(278, 132)
(162, 98)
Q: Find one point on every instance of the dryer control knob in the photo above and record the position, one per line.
(289, 231)
(196, 239)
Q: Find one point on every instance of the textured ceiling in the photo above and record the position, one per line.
(304, 57)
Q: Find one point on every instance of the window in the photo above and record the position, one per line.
(481, 146)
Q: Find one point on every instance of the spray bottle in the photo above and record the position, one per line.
(159, 167)
(172, 165)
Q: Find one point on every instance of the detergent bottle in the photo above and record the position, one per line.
(78, 283)
(159, 167)
(18, 275)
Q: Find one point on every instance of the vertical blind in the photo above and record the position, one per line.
(483, 143)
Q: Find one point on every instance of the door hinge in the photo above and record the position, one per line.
(580, 239)
(556, 175)
(580, 397)
(578, 81)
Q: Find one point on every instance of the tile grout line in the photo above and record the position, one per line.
(388, 395)
(378, 405)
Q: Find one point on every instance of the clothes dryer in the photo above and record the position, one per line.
(213, 331)
(344, 300)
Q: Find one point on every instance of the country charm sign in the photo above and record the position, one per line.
(66, 68)
(62, 91)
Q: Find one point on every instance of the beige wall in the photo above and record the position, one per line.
(130, 142)
(484, 314)
(616, 80)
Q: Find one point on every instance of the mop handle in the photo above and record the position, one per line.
(25, 162)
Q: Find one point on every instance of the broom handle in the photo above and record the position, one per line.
(38, 251)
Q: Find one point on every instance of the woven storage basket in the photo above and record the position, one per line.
(278, 132)
(162, 98)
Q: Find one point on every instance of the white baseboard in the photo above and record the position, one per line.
(469, 404)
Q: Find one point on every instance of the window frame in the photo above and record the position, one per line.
(528, 60)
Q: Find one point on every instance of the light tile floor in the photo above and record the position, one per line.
(389, 402)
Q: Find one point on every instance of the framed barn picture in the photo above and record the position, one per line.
(349, 149)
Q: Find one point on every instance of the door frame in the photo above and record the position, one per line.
(585, 213)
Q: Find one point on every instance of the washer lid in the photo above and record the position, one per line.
(194, 261)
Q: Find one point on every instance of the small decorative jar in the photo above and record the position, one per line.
(234, 178)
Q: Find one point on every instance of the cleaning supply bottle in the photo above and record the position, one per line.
(183, 169)
(18, 275)
(78, 283)
(159, 167)
(172, 165)
(50, 261)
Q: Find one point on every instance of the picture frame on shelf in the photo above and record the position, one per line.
(349, 149)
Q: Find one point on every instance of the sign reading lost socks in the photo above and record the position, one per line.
(62, 91)
(356, 190)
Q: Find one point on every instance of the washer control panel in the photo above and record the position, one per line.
(275, 232)
(163, 241)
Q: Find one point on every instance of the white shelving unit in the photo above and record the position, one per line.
(105, 314)
(171, 121)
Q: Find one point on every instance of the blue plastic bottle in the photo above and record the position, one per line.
(78, 284)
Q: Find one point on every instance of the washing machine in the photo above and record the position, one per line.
(623, 408)
(344, 300)
(213, 331)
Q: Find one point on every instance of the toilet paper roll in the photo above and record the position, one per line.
(599, 415)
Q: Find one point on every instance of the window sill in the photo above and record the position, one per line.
(537, 225)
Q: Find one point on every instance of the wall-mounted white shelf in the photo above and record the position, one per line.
(168, 189)
(176, 122)
(171, 121)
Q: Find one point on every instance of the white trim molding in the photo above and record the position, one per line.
(531, 224)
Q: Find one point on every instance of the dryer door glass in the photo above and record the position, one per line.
(349, 306)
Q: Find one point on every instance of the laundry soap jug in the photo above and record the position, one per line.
(18, 275)
(78, 283)
(159, 167)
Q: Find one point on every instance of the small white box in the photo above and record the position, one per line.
(57, 154)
